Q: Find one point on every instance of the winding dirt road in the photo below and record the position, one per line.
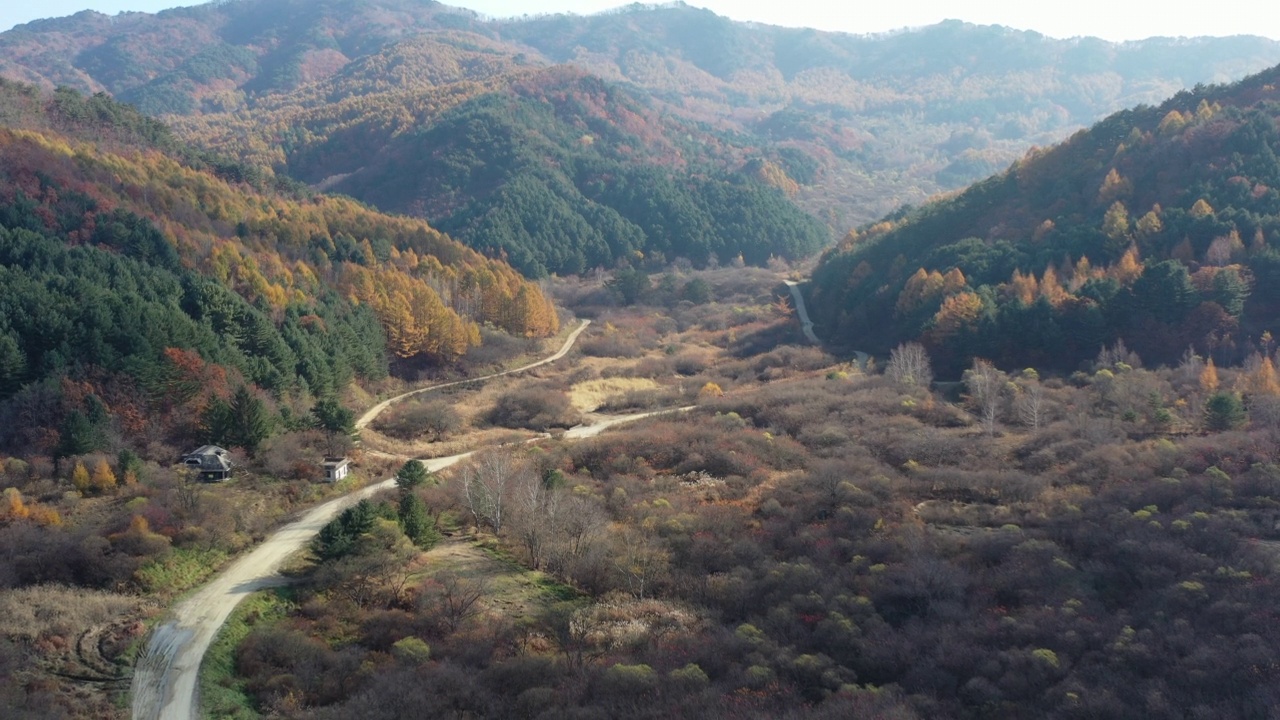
(376, 410)
(807, 325)
(165, 679)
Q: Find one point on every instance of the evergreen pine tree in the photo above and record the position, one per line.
(418, 526)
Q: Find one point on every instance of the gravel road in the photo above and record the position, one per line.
(166, 675)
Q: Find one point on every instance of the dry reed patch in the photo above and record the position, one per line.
(621, 621)
(45, 611)
(590, 395)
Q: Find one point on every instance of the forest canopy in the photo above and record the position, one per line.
(1158, 225)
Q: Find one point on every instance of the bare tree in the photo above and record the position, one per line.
(536, 517)
(1031, 403)
(640, 561)
(1117, 355)
(488, 483)
(909, 366)
(584, 519)
(986, 385)
(452, 599)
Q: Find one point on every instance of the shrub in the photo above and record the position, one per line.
(1224, 411)
(435, 418)
(411, 650)
(614, 345)
(627, 680)
(534, 408)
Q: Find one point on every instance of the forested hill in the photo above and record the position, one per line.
(848, 126)
(1158, 226)
(140, 283)
(564, 172)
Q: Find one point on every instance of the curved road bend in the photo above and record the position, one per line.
(166, 674)
(374, 411)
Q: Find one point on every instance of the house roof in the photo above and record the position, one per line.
(335, 462)
(211, 459)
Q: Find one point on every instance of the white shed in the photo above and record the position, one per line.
(335, 468)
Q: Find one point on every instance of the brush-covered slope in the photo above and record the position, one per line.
(1156, 226)
(148, 278)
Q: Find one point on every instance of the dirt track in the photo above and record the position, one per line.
(166, 675)
(165, 680)
(376, 410)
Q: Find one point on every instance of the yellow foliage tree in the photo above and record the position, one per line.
(1205, 111)
(957, 311)
(710, 390)
(1201, 208)
(1172, 123)
(1113, 187)
(1115, 224)
(14, 506)
(103, 480)
(954, 281)
(1051, 289)
(1127, 269)
(1150, 224)
(1260, 378)
(919, 289)
(1209, 377)
(1083, 272)
(45, 515)
(80, 479)
(1023, 288)
(771, 174)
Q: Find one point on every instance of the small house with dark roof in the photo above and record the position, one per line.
(335, 468)
(212, 462)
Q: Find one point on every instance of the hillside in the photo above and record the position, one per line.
(850, 126)
(1155, 226)
(142, 283)
(565, 173)
(891, 118)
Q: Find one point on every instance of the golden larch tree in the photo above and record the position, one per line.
(103, 480)
(1113, 187)
(1023, 288)
(1209, 377)
(1051, 289)
(1127, 269)
(80, 478)
(1115, 224)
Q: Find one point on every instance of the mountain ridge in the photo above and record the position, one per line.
(886, 119)
(1156, 227)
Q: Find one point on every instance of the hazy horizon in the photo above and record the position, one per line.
(1107, 20)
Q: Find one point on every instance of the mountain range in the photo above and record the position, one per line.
(357, 95)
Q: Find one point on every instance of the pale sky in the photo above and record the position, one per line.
(1109, 19)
